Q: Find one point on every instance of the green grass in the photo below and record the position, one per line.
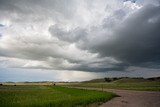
(125, 83)
(49, 96)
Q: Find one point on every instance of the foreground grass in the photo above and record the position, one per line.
(128, 84)
(47, 96)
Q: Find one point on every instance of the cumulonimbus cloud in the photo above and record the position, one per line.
(79, 35)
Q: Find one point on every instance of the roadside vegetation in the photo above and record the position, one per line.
(49, 96)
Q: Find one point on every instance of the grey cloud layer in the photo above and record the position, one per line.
(136, 40)
(71, 36)
(79, 35)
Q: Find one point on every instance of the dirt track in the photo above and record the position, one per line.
(132, 98)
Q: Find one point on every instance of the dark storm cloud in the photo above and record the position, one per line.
(136, 40)
(82, 35)
(115, 67)
(70, 36)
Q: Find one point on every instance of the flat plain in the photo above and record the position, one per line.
(49, 96)
(131, 92)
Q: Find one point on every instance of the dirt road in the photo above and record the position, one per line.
(132, 98)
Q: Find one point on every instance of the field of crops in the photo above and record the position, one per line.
(49, 96)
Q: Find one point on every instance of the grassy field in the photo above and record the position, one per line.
(49, 96)
(123, 83)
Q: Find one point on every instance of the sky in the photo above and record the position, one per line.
(77, 40)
